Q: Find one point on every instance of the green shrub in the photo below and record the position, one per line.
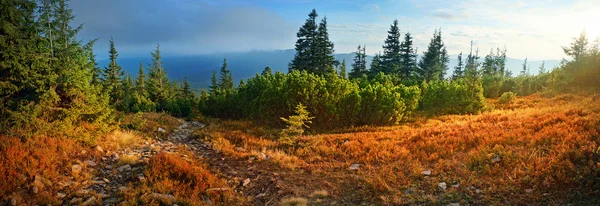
(506, 97)
(455, 97)
(295, 125)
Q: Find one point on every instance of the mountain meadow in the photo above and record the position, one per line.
(291, 127)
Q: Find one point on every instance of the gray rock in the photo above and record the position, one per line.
(529, 190)
(105, 180)
(41, 182)
(76, 200)
(108, 167)
(453, 204)
(90, 201)
(161, 130)
(98, 148)
(90, 163)
(496, 158)
(409, 191)
(124, 168)
(122, 188)
(442, 185)
(354, 167)
(456, 185)
(426, 172)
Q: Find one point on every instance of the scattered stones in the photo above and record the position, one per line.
(40, 182)
(245, 182)
(442, 185)
(426, 172)
(161, 130)
(124, 168)
(90, 201)
(354, 167)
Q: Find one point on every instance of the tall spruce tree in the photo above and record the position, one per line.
(305, 45)
(524, 70)
(266, 71)
(113, 75)
(407, 57)
(226, 78)
(489, 66)
(434, 63)
(376, 66)
(324, 58)
(542, 68)
(214, 85)
(96, 71)
(458, 69)
(391, 60)
(359, 67)
(158, 85)
(186, 90)
(578, 48)
(140, 82)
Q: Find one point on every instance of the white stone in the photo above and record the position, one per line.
(354, 167)
(442, 185)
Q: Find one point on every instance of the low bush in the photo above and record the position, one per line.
(506, 97)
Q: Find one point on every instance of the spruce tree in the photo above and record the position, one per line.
(266, 71)
(542, 68)
(407, 57)
(186, 90)
(458, 69)
(96, 71)
(158, 85)
(324, 58)
(524, 70)
(578, 48)
(214, 85)
(391, 60)
(489, 66)
(305, 45)
(343, 69)
(434, 63)
(226, 78)
(375, 66)
(359, 67)
(140, 82)
(113, 75)
(128, 94)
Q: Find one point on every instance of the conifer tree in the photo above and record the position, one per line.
(407, 57)
(226, 78)
(543, 68)
(96, 71)
(128, 94)
(186, 90)
(458, 69)
(489, 64)
(391, 60)
(305, 49)
(113, 75)
(140, 82)
(578, 48)
(343, 69)
(524, 70)
(434, 63)
(376, 66)
(324, 58)
(266, 71)
(359, 67)
(214, 86)
(158, 85)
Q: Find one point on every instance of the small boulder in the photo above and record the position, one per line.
(442, 185)
(426, 172)
(76, 200)
(529, 190)
(98, 148)
(124, 168)
(90, 163)
(454, 204)
(61, 195)
(496, 158)
(262, 156)
(90, 201)
(161, 130)
(164, 198)
(354, 167)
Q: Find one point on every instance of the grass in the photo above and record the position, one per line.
(532, 149)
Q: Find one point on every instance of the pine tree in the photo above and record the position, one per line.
(359, 67)
(96, 71)
(578, 48)
(501, 61)
(376, 66)
(343, 69)
(113, 75)
(489, 66)
(214, 86)
(543, 68)
(266, 71)
(128, 94)
(407, 57)
(140, 82)
(226, 78)
(391, 60)
(524, 71)
(324, 58)
(186, 90)
(158, 85)
(305, 49)
(458, 69)
(434, 63)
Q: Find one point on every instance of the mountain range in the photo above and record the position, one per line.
(198, 69)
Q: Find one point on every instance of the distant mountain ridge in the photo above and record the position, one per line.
(244, 65)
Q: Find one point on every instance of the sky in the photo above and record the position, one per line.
(534, 29)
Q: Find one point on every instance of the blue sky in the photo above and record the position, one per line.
(535, 29)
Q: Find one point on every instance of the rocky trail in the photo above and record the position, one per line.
(99, 181)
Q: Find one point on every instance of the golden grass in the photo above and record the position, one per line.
(128, 160)
(293, 201)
